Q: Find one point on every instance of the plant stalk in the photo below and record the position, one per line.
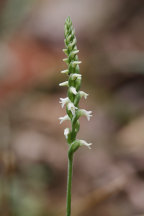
(69, 184)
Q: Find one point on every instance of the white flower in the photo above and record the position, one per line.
(62, 119)
(66, 132)
(65, 60)
(73, 90)
(69, 37)
(72, 108)
(86, 113)
(75, 76)
(70, 46)
(64, 83)
(64, 71)
(64, 101)
(65, 51)
(83, 94)
(83, 142)
(74, 63)
(73, 53)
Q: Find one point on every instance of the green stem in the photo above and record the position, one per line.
(69, 184)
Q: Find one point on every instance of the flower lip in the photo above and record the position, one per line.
(73, 90)
(83, 142)
(73, 53)
(64, 83)
(66, 60)
(87, 114)
(64, 101)
(72, 108)
(64, 71)
(66, 132)
(83, 94)
(75, 76)
(74, 63)
(64, 118)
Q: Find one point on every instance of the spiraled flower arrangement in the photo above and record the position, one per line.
(72, 102)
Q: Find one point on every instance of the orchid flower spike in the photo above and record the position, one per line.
(73, 83)
(72, 101)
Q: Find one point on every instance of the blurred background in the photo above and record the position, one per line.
(109, 179)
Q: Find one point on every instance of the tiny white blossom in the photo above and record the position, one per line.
(64, 101)
(66, 132)
(65, 60)
(74, 52)
(83, 142)
(64, 118)
(72, 108)
(86, 113)
(75, 76)
(69, 37)
(74, 63)
(83, 94)
(65, 51)
(73, 90)
(64, 83)
(64, 71)
(70, 46)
